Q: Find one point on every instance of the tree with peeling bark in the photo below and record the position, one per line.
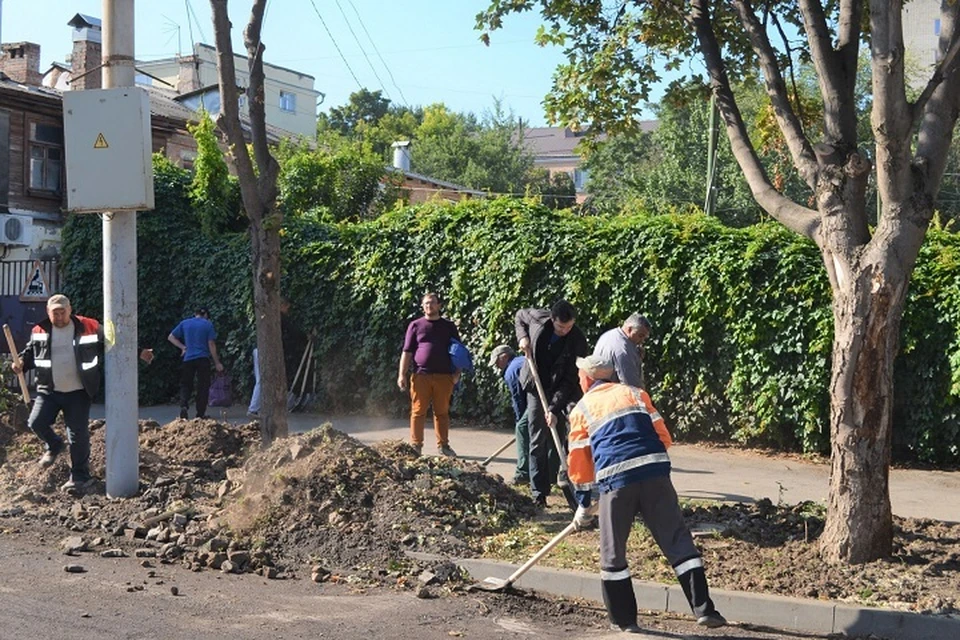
(615, 52)
(258, 189)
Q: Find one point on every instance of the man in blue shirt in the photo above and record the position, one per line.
(509, 364)
(195, 337)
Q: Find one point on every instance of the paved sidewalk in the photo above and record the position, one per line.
(698, 472)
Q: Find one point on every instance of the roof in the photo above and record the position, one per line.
(82, 20)
(440, 183)
(162, 103)
(43, 93)
(562, 141)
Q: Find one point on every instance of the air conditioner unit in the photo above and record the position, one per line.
(15, 229)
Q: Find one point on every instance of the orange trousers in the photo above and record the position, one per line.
(427, 388)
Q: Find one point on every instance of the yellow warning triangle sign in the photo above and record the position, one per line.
(101, 142)
(35, 289)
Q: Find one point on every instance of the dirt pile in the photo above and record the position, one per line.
(209, 498)
(324, 497)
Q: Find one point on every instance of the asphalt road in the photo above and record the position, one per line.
(117, 598)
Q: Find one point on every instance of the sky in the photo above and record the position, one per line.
(430, 48)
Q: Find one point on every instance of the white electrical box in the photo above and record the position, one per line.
(108, 149)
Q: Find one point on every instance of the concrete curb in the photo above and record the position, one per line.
(797, 614)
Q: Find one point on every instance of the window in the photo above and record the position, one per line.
(288, 101)
(580, 178)
(936, 27)
(46, 157)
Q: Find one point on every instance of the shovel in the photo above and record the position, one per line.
(498, 451)
(291, 395)
(306, 374)
(499, 584)
(562, 477)
(15, 356)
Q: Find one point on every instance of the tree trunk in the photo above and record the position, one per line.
(265, 260)
(259, 194)
(867, 308)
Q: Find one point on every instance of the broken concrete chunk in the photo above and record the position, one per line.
(73, 544)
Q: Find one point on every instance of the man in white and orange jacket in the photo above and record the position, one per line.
(618, 446)
(67, 352)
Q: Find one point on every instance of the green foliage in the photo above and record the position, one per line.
(742, 323)
(215, 194)
(481, 153)
(338, 183)
(555, 191)
(484, 154)
(179, 268)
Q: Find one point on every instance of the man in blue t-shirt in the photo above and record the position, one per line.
(195, 337)
(509, 365)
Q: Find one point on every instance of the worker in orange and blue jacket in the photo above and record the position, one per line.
(618, 447)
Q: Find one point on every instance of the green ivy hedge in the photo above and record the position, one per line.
(742, 327)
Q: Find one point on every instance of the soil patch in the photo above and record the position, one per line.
(767, 548)
(325, 505)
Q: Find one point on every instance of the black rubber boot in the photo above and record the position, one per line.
(620, 601)
(694, 585)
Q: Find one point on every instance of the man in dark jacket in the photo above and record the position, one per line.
(551, 338)
(67, 351)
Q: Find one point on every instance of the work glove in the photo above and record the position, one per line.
(584, 517)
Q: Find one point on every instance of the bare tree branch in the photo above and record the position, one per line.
(797, 103)
(890, 105)
(229, 120)
(840, 123)
(257, 101)
(951, 36)
(941, 103)
(848, 39)
(800, 149)
(796, 218)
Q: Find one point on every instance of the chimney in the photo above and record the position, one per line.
(401, 155)
(188, 77)
(87, 53)
(21, 62)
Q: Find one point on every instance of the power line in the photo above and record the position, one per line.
(191, 14)
(377, 51)
(335, 45)
(362, 50)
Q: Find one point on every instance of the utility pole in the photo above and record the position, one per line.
(120, 283)
(710, 202)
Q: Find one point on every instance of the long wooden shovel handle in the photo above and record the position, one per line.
(546, 410)
(303, 359)
(306, 372)
(498, 451)
(570, 528)
(16, 360)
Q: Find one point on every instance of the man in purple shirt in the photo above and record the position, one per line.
(427, 347)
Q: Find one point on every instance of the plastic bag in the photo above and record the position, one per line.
(221, 394)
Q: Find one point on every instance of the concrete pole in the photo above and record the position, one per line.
(120, 283)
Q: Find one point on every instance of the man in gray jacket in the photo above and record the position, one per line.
(623, 346)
